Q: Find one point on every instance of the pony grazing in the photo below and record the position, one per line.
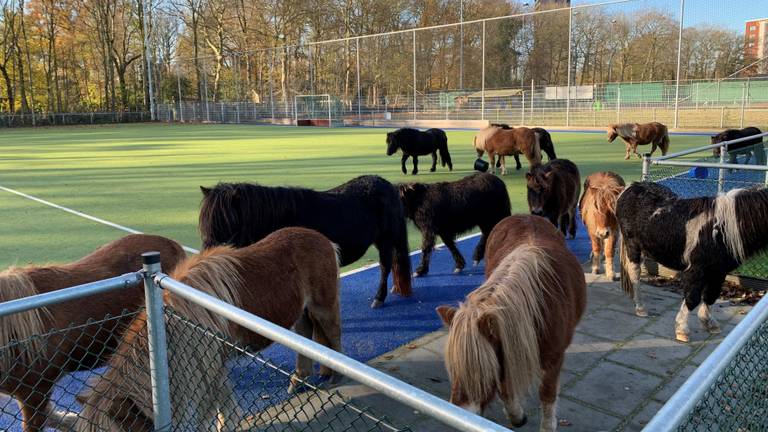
(545, 142)
(449, 208)
(512, 332)
(289, 278)
(414, 143)
(507, 142)
(746, 147)
(634, 134)
(598, 211)
(363, 211)
(29, 370)
(703, 238)
(553, 192)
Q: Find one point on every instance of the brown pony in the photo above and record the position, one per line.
(505, 142)
(512, 332)
(598, 211)
(635, 134)
(29, 370)
(553, 192)
(289, 278)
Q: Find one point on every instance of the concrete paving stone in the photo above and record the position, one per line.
(709, 345)
(421, 368)
(584, 352)
(641, 419)
(599, 297)
(664, 325)
(438, 344)
(653, 353)
(611, 325)
(671, 387)
(615, 388)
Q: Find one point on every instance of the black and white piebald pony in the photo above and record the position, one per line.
(703, 238)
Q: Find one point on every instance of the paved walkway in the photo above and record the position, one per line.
(619, 369)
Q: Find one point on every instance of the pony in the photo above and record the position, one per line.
(512, 332)
(363, 211)
(30, 368)
(545, 142)
(745, 147)
(703, 238)
(289, 278)
(553, 192)
(598, 211)
(449, 208)
(414, 143)
(634, 134)
(503, 142)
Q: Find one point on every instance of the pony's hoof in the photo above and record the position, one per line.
(626, 157)
(432, 169)
(712, 327)
(475, 263)
(376, 303)
(682, 337)
(295, 385)
(572, 236)
(612, 276)
(519, 423)
(458, 270)
(595, 271)
(641, 312)
(419, 273)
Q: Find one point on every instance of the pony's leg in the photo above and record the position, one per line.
(548, 390)
(415, 165)
(572, 222)
(457, 258)
(479, 253)
(518, 165)
(303, 327)
(386, 255)
(681, 323)
(653, 147)
(434, 161)
(427, 246)
(609, 250)
(402, 162)
(711, 293)
(563, 223)
(33, 403)
(512, 408)
(596, 250)
(503, 166)
(492, 160)
(692, 282)
(632, 266)
(327, 330)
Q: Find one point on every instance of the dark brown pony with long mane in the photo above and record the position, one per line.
(512, 332)
(553, 192)
(363, 211)
(598, 211)
(289, 278)
(634, 134)
(29, 370)
(497, 141)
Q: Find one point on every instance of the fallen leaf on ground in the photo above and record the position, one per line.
(564, 422)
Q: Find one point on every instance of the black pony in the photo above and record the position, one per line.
(449, 208)
(366, 210)
(415, 143)
(703, 238)
(545, 143)
(746, 147)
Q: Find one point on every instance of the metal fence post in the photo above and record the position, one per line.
(414, 74)
(743, 103)
(679, 59)
(618, 104)
(357, 70)
(646, 176)
(178, 88)
(721, 171)
(482, 79)
(158, 348)
(522, 109)
(568, 81)
(722, 116)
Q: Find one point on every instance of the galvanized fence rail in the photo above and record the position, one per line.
(168, 372)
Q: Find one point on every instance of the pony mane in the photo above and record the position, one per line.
(15, 283)
(215, 271)
(727, 221)
(626, 130)
(514, 296)
(604, 196)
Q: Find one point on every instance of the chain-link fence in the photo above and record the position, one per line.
(707, 171)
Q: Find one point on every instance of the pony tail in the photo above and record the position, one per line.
(537, 148)
(15, 283)
(401, 264)
(664, 142)
(442, 146)
(626, 282)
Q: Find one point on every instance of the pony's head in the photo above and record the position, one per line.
(219, 214)
(612, 133)
(598, 204)
(717, 139)
(540, 186)
(472, 356)
(411, 195)
(392, 143)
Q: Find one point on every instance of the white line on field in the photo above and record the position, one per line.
(84, 215)
(186, 248)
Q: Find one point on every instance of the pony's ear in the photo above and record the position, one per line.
(489, 328)
(446, 314)
(205, 190)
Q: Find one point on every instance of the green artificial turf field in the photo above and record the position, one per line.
(146, 176)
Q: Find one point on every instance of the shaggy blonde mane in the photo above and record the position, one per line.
(726, 221)
(15, 283)
(600, 196)
(514, 298)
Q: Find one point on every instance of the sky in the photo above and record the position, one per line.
(732, 14)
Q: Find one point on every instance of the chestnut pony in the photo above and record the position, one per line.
(497, 141)
(289, 278)
(598, 211)
(29, 369)
(634, 134)
(512, 332)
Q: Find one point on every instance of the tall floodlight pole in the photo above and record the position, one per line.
(461, 45)
(679, 58)
(149, 61)
(568, 83)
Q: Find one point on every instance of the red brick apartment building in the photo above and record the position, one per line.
(756, 43)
